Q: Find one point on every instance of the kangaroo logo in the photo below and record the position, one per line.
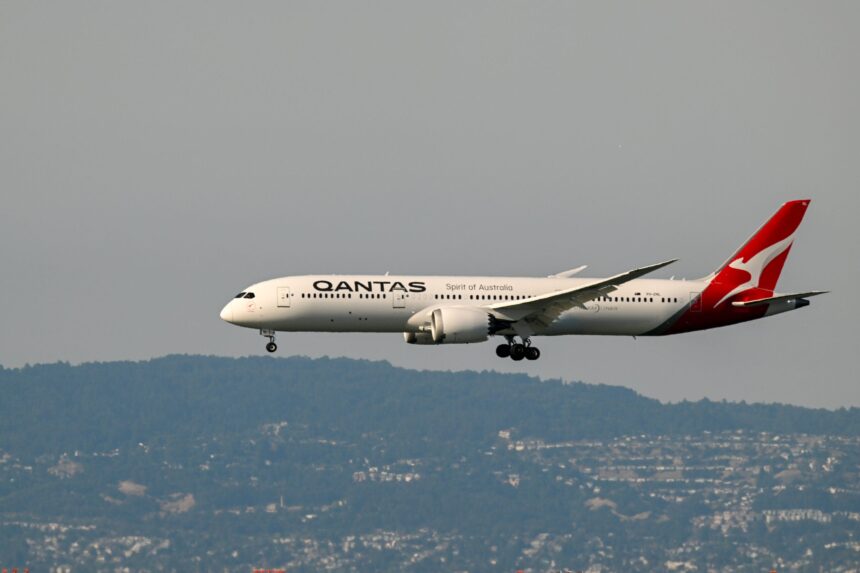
(756, 266)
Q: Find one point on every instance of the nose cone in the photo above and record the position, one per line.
(227, 312)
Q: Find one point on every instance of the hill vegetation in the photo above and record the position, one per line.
(56, 408)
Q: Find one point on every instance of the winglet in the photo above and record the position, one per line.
(650, 268)
(635, 273)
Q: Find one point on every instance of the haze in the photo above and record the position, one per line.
(158, 157)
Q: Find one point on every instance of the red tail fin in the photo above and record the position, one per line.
(758, 263)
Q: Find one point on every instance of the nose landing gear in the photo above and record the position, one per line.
(270, 334)
(517, 351)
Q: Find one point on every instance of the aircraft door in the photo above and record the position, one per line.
(696, 302)
(398, 299)
(284, 297)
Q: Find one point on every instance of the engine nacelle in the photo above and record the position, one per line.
(459, 325)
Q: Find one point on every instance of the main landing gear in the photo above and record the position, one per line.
(270, 334)
(517, 351)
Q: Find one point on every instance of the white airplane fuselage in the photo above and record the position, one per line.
(465, 309)
(313, 303)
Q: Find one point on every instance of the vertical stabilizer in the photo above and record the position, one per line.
(758, 263)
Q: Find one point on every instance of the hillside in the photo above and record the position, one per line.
(183, 461)
(56, 407)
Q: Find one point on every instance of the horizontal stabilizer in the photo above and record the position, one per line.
(778, 298)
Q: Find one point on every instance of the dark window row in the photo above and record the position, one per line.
(340, 295)
(498, 297)
(634, 299)
(480, 297)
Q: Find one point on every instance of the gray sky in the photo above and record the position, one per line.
(156, 157)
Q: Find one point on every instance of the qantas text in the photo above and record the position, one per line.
(369, 286)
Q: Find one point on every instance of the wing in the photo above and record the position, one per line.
(542, 310)
(568, 274)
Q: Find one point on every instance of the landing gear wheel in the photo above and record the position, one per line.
(503, 350)
(270, 334)
(518, 352)
(532, 353)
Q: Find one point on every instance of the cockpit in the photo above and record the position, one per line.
(244, 295)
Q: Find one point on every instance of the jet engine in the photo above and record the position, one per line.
(459, 325)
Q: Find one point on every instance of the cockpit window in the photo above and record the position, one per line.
(240, 295)
(249, 295)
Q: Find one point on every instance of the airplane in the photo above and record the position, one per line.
(432, 310)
